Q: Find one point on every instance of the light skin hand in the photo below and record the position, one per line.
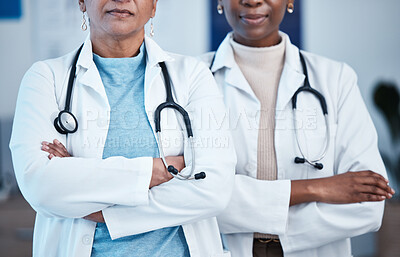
(96, 217)
(55, 149)
(349, 187)
(160, 174)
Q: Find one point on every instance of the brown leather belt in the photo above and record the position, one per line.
(267, 240)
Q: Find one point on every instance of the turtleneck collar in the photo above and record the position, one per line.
(269, 58)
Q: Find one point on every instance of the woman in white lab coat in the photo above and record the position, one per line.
(135, 197)
(279, 207)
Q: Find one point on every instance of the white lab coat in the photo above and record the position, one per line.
(63, 190)
(311, 229)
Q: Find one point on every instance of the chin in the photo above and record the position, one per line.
(256, 34)
(122, 31)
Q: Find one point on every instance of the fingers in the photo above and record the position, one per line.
(61, 147)
(377, 181)
(369, 173)
(48, 147)
(378, 176)
(371, 198)
(374, 190)
(55, 149)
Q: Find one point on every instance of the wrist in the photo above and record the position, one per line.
(160, 173)
(157, 162)
(305, 191)
(315, 189)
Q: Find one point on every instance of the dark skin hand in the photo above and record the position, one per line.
(160, 174)
(349, 187)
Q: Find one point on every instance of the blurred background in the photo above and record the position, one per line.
(363, 33)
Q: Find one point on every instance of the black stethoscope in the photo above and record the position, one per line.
(306, 88)
(66, 123)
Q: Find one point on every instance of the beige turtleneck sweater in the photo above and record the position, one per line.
(262, 67)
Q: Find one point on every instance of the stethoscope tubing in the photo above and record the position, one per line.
(308, 89)
(326, 142)
(305, 88)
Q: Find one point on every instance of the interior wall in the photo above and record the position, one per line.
(181, 26)
(16, 57)
(363, 33)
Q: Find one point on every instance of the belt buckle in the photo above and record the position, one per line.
(267, 240)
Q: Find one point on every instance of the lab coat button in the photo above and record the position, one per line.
(86, 240)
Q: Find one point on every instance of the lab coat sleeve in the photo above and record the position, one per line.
(66, 187)
(179, 202)
(316, 224)
(249, 209)
(252, 209)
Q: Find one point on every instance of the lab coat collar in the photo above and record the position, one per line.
(85, 59)
(292, 74)
(154, 53)
(225, 59)
(91, 76)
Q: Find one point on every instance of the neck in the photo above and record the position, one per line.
(117, 47)
(271, 40)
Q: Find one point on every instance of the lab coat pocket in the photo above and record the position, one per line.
(224, 254)
(315, 142)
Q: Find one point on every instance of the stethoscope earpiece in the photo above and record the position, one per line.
(200, 175)
(299, 160)
(172, 170)
(319, 166)
(316, 165)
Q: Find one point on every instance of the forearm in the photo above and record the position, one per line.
(76, 187)
(349, 187)
(304, 191)
(173, 203)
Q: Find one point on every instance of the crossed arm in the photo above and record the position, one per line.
(349, 187)
(159, 175)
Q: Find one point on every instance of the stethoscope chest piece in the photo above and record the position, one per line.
(66, 123)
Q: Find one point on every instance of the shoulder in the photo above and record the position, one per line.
(192, 75)
(47, 74)
(335, 80)
(206, 58)
(51, 68)
(187, 64)
(327, 67)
